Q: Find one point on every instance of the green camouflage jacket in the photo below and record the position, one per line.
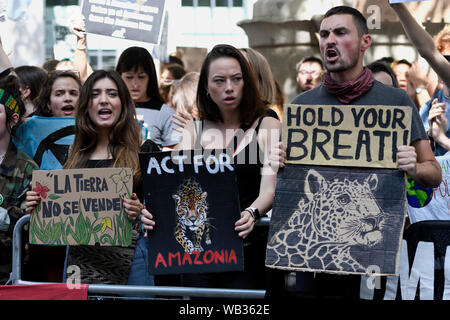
(15, 178)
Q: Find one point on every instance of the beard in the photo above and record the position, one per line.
(340, 65)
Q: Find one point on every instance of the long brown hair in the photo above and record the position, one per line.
(251, 106)
(124, 139)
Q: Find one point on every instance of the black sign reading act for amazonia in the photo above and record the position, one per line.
(194, 217)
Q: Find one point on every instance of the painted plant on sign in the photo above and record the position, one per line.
(101, 220)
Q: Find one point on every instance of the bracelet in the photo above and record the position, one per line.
(252, 214)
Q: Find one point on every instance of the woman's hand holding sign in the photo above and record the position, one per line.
(245, 224)
(133, 206)
(147, 220)
(32, 200)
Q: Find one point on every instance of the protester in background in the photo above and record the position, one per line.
(309, 73)
(435, 115)
(31, 79)
(279, 100)
(50, 65)
(442, 41)
(15, 171)
(417, 85)
(169, 74)
(265, 79)
(438, 125)
(440, 64)
(183, 99)
(174, 58)
(59, 95)
(343, 41)
(411, 79)
(137, 69)
(401, 68)
(383, 72)
(184, 94)
(228, 99)
(104, 139)
(423, 42)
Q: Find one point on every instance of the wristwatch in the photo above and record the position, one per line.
(255, 212)
(419, 90)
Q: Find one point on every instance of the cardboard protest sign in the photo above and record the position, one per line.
(46, 140)
(193, 198)
(337, 220)
(81, 207)
(139, 20)
(354, 136)
(434, 205)
(340, 208)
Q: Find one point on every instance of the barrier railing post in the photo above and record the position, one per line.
(16, 273)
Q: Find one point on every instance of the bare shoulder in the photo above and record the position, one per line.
(270, 123)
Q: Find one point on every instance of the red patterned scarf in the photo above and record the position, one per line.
(349, 90)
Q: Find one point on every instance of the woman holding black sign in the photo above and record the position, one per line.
(106, 135)
(229, 102)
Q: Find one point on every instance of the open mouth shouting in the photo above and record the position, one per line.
(104, 113)
(331, 55)
(68, 110)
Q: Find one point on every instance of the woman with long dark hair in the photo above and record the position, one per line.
(137, 69)
(107, 134)
(229, 101)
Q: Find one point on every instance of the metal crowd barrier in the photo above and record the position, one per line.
(104, 289)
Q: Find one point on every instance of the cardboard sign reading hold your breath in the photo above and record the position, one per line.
(358, 136)
(81, 206)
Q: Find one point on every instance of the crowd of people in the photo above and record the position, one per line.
(236, 91)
